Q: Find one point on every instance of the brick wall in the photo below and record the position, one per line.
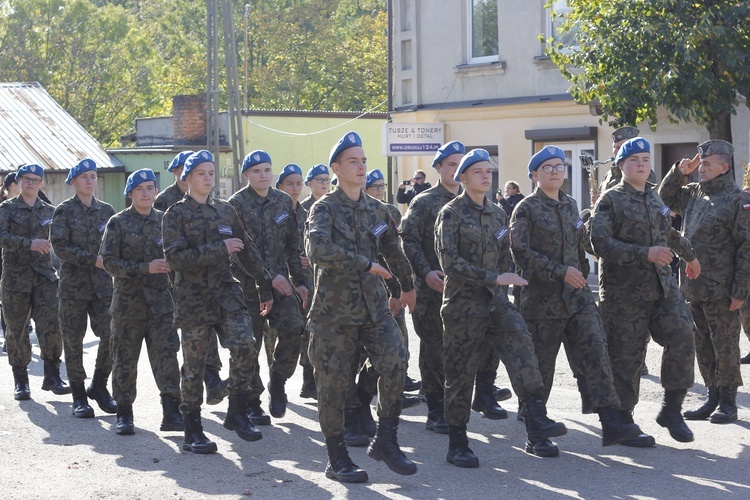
(189, 117)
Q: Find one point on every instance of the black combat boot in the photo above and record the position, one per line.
(171, 417)
(277, 396)
(256, 414)
(409, 401)
(704, 411)
(542, 448)
(522, 413)
(743, 361)
(309, 389)
(81, 408)
(614, 430)
(21, 390)
(99, 393)
(727, 411)
(670, 416)
(195, 440)
(459, 453)
(501, 393)
(353, 436)
(52, 381)
(435, 413)
(340, 467)
(642, 440)
(367, 424)
(411, 385)
(385, 448)
(538, 426)
(216, 389)
(124, 425)
(237, 421)
(484, 399)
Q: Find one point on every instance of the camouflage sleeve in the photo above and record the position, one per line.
(447, 234)
(505, 258)
(603, 239)
(250, 261)
(160, 203)
(584, 244)
(9, 241)
(586, 240)
(673, 191)
(535, 265)
(179, 254)
(59, 235)
(116, 266)
(321, 249)
(680, 245)
(291, 249)
(394, 287)
(741, 236)
(412, 228)
(398, 264)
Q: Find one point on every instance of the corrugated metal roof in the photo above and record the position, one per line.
(34, 128)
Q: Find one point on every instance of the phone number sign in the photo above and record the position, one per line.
(412, 139)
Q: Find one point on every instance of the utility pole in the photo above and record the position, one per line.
(212, 83)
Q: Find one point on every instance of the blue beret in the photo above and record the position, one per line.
(544, 154)
(288, 170)
(9, 179)
(179, 160)
(194, 160)
(31, 168)
(350, 140)
(372, 176)
(316, 171)
(450, 148)
(138, 177)
(255, 158)
(472, 157)
(631, 147)
(82, 166)
(335, 180)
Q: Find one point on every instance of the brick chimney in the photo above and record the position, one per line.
(189, 119)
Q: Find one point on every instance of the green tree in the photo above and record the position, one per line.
(634, 56)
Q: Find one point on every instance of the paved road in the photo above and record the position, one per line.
(46, 453)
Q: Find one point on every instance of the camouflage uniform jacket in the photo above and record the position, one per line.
(307, 203)
(624, 225)
(19, 224)
(418, 236)
(168, 197)
(473, 246)
(614, 176)
(547, 236)
(716, 220)
(271, 224)
(300, 215)
(394, 287)
(131, 241)
(76, 235)
(344, 238)
(193, 239)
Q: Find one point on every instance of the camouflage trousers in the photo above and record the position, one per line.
(332, 351)
(717, 343)
(213, 361)
(745, 318)
(41, 305)
(465, 342)
(584, 335)
(429, 328)
(162, 344)
(73, 316)
(235, 333)
(304, 359)
(628, 325)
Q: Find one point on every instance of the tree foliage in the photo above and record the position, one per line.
(634, 56)
(110, 61)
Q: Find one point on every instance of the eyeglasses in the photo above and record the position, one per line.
(419, 178)
(31, 180)
(548, 169)
(379, 187)
(322, 181)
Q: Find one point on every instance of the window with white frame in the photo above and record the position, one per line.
(482, 31)
(555, 18)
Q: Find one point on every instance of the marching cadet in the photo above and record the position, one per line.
(346, 231)
(318, 180)
(631, 233)
(29, 283)
(471, 239)
(141, 304)
(716, 220)
(85, 288)
(290, 182)
(547, 243)
(200, 233)
(614, 174)
(216, 388)
(268, 217)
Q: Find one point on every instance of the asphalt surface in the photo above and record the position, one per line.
(46, 453)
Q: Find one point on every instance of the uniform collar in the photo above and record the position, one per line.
(18, 200)
(135, 213)
(95, 204)
(630, 189)
(340, 195)
(444, 191)
(193, 204)
(472, 203)
(718, 183)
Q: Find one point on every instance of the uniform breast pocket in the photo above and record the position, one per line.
(19, 225)
(344, 230)
(132, 244)
(634, 225)
(470, 240)
(544, 233)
